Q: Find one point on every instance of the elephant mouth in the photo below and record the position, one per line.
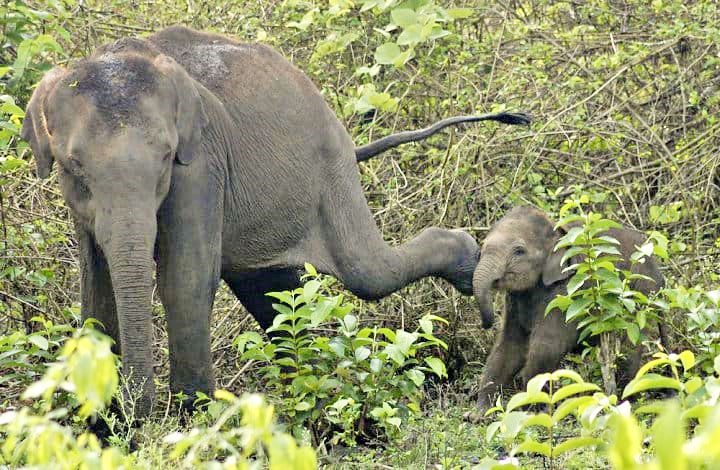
(503, 284)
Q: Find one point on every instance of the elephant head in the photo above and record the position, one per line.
(115, 124)
(516, 256)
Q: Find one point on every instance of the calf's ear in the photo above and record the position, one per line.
(35, 128)
(553, 270)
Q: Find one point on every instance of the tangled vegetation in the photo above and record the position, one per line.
(625, 97)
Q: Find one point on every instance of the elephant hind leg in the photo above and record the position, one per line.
(250, 289)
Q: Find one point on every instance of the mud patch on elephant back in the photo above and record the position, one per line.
(115, 84)
(208, 63)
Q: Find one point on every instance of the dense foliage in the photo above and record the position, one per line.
(625, 98)
(345, 383)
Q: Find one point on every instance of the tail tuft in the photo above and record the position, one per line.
(513, 118)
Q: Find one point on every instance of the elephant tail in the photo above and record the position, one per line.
(368, 151)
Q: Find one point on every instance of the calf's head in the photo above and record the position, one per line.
(517, 255)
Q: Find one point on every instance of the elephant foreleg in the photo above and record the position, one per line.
(96, 292)
(507, 357)
(189, 251)
(550, 340)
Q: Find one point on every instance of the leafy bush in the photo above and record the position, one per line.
(701, 309)
(23, 355)
(682, 433)
(86, 370)
(599, 297)
(328, 373)
(244, 431)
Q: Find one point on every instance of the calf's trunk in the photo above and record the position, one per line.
(489, 269)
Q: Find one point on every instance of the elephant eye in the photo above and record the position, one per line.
(519, 251)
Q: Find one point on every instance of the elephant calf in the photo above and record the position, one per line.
(517, 257)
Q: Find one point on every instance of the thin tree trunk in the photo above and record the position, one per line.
(609, 346)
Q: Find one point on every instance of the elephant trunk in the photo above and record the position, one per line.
(489, 270)
(128, 245)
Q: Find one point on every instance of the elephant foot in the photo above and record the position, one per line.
(478, 415)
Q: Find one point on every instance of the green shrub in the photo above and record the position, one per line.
(242, 437)
(332, 376)
(682, 432)
(599, 297)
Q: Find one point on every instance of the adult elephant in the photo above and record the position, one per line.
(218, 160)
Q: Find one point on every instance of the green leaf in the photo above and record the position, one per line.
(437, 366)
(651, 408)
(625, 450)
(531, 446)
(633, 332)
(569, 406)
(310, 290)
(361, 354)
(387, 53)
(395, 421)
(576, 282)
(576, 443)
(651, 365)
(567, 374)
(536, 384)
(513, 423)
(284, 297)
(416, 376)
(413, 34)
(426, 325)
(404, 57)
(668, 433)
(39, 341)
(688, 359)
(310, 269)
(525, 398)
(561, 302)
(699, 412)
(404, 340)
(404, 17)
(350, 322)
(492, 429)
(541, 419)
(577, 307)
(714, 296)
(303, 406)
(573, 389)
(650, 382)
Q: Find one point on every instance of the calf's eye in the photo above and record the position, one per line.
(520, 251)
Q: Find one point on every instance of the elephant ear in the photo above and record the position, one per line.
(35, 128)
(190, 117)
(554, 269)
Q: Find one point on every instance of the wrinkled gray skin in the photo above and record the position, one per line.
(517, 257)
(205, 159)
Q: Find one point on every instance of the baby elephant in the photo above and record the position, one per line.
(517, 257)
